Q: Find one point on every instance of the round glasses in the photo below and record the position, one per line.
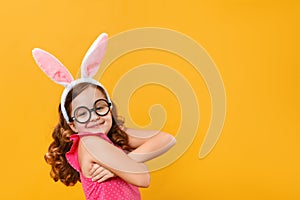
(83, 114)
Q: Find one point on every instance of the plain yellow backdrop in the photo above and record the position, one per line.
(255, 45)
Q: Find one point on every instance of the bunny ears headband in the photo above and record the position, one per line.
(57, 72)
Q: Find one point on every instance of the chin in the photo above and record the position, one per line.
(99, 131)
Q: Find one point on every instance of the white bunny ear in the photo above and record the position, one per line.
(93, 57)
(52, 67)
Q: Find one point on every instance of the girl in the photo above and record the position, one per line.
(89, 142)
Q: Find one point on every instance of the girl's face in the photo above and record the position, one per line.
(96, 124)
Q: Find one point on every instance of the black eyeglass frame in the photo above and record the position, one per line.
(109, 104)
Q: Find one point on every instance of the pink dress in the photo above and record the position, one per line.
(111, 189)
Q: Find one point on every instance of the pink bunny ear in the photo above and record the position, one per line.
(93, 57)
(52, 67)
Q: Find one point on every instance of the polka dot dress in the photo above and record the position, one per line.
(111, 189)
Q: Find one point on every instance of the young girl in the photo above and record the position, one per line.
(90, 143)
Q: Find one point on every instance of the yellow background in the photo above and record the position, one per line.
(255, 45)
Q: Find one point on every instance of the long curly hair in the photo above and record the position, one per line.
(60, 168)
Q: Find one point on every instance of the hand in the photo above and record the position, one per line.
(99, 173)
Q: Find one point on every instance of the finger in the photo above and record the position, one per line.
(97, 177)
(100, 170)
(105, 177)
(99, 173)
(93, 168)
(105, 173)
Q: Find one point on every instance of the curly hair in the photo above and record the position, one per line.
(60, 168)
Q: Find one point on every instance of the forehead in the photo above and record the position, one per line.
(87, 97)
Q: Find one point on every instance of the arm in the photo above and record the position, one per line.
(93, 149)
(148, 144)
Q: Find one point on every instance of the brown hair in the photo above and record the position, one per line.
(60, 168)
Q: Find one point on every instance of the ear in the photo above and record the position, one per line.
(52, 67)
(73, 127)
(93, 57)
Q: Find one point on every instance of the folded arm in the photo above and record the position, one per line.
(93, 149)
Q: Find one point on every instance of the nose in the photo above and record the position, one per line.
(94, 116)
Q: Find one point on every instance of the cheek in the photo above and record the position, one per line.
(80, 127)
(108, 119)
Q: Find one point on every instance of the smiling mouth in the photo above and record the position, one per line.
(97, 125)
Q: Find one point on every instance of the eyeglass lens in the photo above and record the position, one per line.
(83, 114)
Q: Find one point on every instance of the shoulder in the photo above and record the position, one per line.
(85, 158)
(91, 141)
